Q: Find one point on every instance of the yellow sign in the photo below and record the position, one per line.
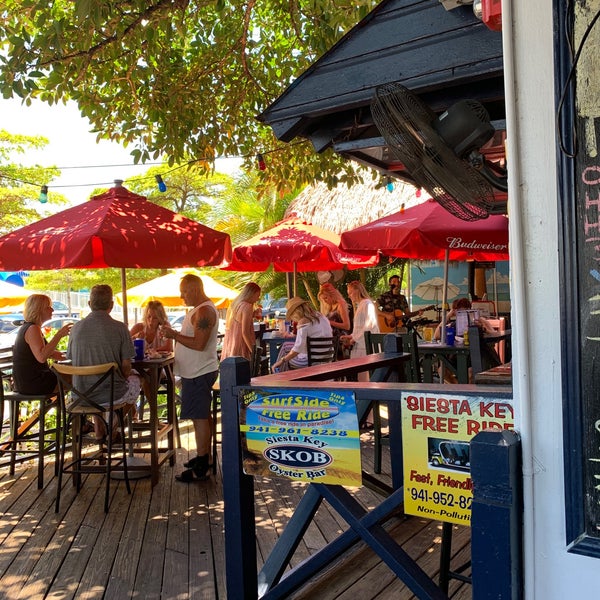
(304, 435)
(436, 431)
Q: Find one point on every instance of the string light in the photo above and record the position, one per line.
(389, 185)
(161, 184)
(43, 194)
(260, 159)
(262, 165)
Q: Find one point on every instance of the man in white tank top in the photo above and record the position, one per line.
(197, 364)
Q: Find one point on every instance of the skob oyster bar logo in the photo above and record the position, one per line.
(304, 435)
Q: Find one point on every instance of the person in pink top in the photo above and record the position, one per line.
(240, 338)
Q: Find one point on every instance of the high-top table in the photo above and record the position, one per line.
(149, 434)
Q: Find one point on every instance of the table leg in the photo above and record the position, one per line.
(171, 414)
(462, 368)
(427, 368)
(153, 402)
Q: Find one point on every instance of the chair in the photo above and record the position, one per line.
(75, 404)
(321, 350)
(27, 432)
(24, 439)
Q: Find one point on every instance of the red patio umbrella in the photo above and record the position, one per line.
(295, 245)
(114, 229)
(429, 231)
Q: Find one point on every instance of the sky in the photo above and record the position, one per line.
(72, 145)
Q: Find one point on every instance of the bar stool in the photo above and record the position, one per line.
(75, 405)
(24, 440)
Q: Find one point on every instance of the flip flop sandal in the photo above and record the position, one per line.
(186, 476)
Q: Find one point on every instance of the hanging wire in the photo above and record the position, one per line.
(567, 84)
(143, 178)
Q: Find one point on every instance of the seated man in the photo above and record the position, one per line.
(100, 339)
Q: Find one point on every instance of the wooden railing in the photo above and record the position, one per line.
(386, 386)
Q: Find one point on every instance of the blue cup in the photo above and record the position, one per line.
(450, 334)
(140, 349)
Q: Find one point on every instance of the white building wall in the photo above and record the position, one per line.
(551, 573)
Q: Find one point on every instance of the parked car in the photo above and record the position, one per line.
(56, 323)
(14, 319)
(62, 310)
(275, 309)
(177, 321)
(8, 334)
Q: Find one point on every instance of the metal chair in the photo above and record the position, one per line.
(75, 404)
(321, 350)
(29, 436)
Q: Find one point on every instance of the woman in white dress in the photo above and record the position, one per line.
(365, 319)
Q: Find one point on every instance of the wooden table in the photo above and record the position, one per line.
(430, 350)
(148, 434)
(501, 375)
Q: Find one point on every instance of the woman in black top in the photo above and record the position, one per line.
(31, 351)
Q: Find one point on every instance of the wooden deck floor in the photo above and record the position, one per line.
(168, 543)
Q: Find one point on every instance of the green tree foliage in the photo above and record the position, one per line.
(19, 197)
(178, 78)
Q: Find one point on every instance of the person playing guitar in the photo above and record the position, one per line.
(394, 307)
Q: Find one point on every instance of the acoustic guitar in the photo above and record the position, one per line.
(389, 322)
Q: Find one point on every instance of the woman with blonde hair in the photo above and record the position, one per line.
(31, 351)
(310, 323)
(365, 319)
(240, 338)
(150, 328)
(335, 308)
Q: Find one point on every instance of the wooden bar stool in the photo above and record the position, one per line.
(25, 439)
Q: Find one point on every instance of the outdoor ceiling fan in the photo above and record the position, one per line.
(442, 153)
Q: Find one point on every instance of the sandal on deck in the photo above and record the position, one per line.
(186, 476)
(190, 463)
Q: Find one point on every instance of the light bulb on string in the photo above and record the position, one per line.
(43, 197)
(162, 186)
(260, 159)
(389, 185)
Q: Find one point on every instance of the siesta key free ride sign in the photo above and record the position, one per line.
(436, 431)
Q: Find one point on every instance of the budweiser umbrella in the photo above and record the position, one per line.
(295, 245)
(166, 290)
(429, 231)
(114, 229)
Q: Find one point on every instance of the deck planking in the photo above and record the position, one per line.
(167, 542)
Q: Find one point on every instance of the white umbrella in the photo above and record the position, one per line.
(12, 295)
(430, 289)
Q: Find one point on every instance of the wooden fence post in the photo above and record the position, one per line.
(238, 489)
(496, 517)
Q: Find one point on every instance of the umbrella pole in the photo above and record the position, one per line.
(124, 292)
(445, 296)
(444, 311)
(295, 280)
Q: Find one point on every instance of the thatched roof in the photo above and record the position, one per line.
(343, 208)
